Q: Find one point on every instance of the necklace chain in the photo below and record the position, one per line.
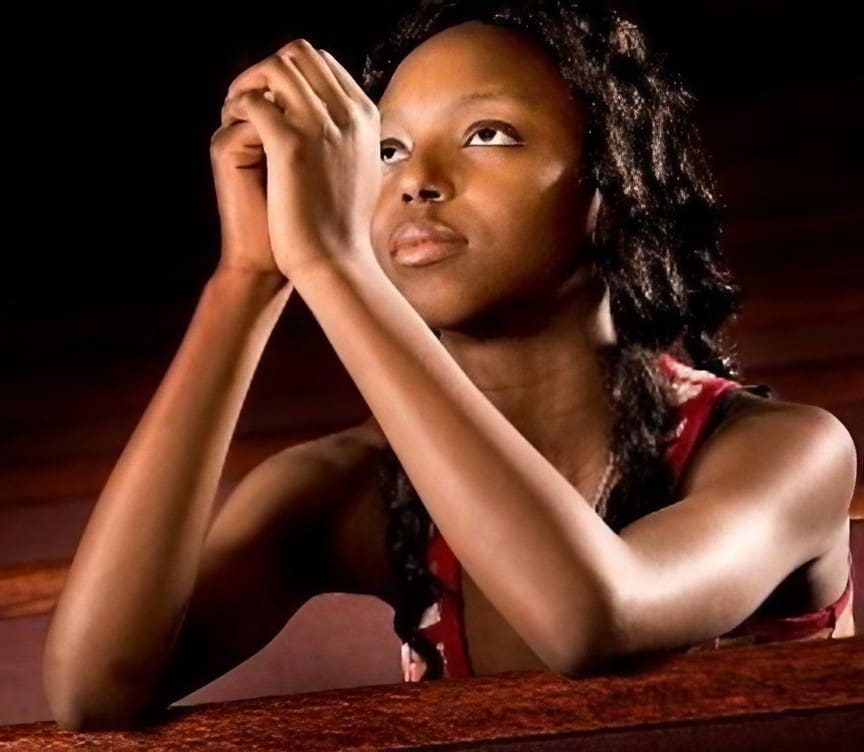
(598, 498)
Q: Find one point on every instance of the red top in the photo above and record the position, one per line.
(699, 405)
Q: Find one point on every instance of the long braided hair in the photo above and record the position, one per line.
(656, 249)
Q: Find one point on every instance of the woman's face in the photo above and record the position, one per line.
(502, 171)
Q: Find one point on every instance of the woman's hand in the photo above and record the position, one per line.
(239, 176)
(320, 133)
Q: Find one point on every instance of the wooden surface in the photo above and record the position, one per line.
(807, 695)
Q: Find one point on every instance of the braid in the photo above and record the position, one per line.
(408, 528)
(656, 250)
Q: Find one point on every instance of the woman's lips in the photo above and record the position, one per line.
(425, 252)
(420, 242)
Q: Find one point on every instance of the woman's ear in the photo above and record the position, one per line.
(593, 214)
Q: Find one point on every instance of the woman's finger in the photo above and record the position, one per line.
(269, 74)
(350, 86)
(286, 75)
(239, 136)
(265, 115)
(232, 115)
(293, 93)
(320, 77)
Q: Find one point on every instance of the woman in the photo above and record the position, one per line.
(597, 102)
(511, 243)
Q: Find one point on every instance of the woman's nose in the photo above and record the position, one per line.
(423, 194)
(422, 181)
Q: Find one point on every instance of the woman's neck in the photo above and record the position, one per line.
(549, 383)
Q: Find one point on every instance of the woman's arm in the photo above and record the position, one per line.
(522, 532)
(136, 564)
(566, 583)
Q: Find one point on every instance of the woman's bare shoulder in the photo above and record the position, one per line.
(356, 556)
(369, 433)
(759, 428)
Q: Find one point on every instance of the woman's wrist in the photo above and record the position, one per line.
(256, 291)
(261, 279)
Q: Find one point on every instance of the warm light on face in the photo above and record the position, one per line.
(480, 131)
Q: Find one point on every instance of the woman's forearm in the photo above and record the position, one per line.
(135, 567)
(523, 533)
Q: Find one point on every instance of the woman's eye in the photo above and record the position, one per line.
(385, 147)
(489, 135)
(486, 130)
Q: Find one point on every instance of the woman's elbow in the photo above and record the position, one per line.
(80, 704)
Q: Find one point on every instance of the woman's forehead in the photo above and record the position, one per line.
(449, 99)
(469, 63)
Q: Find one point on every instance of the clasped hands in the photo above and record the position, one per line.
(321, 136)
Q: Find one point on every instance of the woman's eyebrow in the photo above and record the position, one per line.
(497, 94)
(476, 96)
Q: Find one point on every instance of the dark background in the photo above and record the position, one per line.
(111, 232)
(120, 180)
(113, 228)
